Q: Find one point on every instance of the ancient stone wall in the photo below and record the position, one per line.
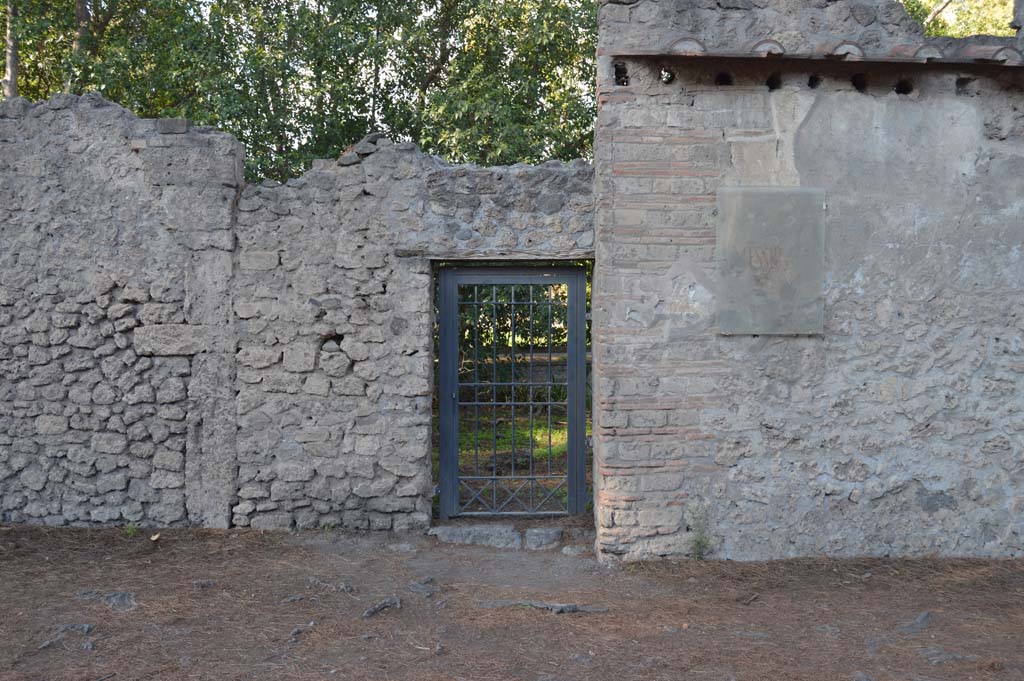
(115, 258)
(897, 431)
(179, 348)
(334, 301)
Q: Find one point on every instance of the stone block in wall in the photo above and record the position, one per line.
(140, 394)
(300, 357)
(169, 459)
(160, 313)
(109, 443)
(335, 364)
(281, 520)
(177, 339)
(168, 290)
(33, 478)
(165, 479)
(51, 424)
(281, 383)
(259, 260)
(172, 126)
(169, 509)
(317, 385)
(295, 471)
(207, 288)
(259, 357)
(379, 486)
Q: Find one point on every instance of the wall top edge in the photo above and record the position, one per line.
(846, 51)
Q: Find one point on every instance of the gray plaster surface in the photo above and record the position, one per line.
(897, 430)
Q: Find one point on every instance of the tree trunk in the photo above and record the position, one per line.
(936, 12)
(81, 25)
(1018, 15)
(11, 72)
(81, 33)
(376, 72)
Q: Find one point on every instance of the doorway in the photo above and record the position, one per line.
(512, 390)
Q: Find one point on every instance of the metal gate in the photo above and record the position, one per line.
(512, 390)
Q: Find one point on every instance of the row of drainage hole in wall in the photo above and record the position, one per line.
(904, 86)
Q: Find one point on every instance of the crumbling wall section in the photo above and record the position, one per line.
(115, 240)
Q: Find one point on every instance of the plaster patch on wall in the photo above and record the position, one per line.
(770, 160)
(770, 255)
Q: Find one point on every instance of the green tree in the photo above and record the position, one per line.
(137, 53)
(490, 81)
(298, 79)
(10, 80)
(961, 18)
(529, 103)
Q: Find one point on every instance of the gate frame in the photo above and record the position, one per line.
(449, 279)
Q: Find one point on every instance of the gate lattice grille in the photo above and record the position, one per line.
(512, 391)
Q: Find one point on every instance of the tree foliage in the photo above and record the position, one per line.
(528, 103)
(488, 81)
(961, 18)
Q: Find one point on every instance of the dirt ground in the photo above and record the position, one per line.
(248, 605)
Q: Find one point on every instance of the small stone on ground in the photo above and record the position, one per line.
(386, 604)
(120, 601)
(425, 587)
(557, 608)
(937, 655)
(918, 624)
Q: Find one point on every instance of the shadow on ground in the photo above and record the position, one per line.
(95, 604)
